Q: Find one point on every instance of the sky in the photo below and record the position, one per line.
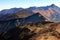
(7, 4)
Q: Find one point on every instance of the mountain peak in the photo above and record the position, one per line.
(53, 5)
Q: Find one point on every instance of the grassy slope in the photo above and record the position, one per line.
(33, 31)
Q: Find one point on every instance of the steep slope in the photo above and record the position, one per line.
(20, 14)
(7, 17)
(51, 14)
(33, 31)
(34, 18)
(24, 13)
(12, 20)
(6, 25)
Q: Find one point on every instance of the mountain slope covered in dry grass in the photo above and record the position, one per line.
(33, 31)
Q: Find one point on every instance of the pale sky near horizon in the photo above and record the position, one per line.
(7, 4)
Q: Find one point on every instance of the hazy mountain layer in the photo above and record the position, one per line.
(51, 13)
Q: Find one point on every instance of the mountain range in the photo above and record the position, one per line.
(20, 16)
(34, 23)
(51, 13)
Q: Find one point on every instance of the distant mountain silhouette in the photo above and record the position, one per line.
(12, 10)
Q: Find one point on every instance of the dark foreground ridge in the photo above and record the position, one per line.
(32, 31)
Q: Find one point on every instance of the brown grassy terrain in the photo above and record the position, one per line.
(33, 31)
